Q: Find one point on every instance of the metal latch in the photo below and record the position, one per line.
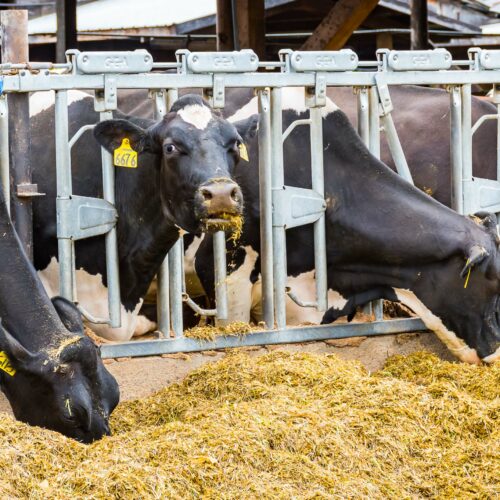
(91, 63)
(293, 206)
(82, 217)
(383, 93)
(333, 60)
(416, 60)
(485, 59)
(26, 190)
(243, 61)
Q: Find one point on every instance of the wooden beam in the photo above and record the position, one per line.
(66, 28)
(336, 28)
(250, 17)
(224, 26)
(419, 36)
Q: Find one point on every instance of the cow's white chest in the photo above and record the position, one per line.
(92, 295)
(456, 345)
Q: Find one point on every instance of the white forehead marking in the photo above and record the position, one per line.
(196, 114)
(292, 98)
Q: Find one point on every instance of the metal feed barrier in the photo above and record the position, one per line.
(282, 207)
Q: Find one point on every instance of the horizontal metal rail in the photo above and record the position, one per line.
(268, 337)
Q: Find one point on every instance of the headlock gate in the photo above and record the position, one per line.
(282, 207)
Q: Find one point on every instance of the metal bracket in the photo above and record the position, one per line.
(81, 217)
(481, 194)
(384, 95)
(107, 100)
(316, 97)
(484, 58)
(243, 61)
(294, 207)
(333, 60)
(218, 97)
(26, 190)
(92, 63)
(415, 60)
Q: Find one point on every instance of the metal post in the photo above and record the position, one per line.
(498, 142)
(4, 150)
(377, 306)
(364, 115)
(14, 36)
(66, 28)
(419, 25)
(457, 202)
(112, 273)
(279, 233)
(466, 133)
(318, 185)
(219, 241)
(64, 191)
(266, 220)
(175, 264)
(374, 143)
(397, 152)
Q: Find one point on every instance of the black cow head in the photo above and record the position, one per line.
(65, 388)
(196, 151)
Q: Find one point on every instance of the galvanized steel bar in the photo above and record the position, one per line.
(111, 240)
(266, 220)
(318, 185)
(363, 115)
(466, 133)
(279, 232)
(498, 142)
(4, 150)
(219, 242)
(457, 202)
(64, 191)
(285, 336)
(374, 115)
(175, 276)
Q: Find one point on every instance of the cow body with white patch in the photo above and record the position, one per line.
(385, 238)
(173, 187)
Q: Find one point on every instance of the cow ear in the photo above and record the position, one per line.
(110, 134)
(248, 127)
(18, 355)
(69, 314)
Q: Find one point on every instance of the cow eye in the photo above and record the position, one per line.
(170, 148)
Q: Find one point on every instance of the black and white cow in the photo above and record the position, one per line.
(385, 238)
(50, 371)
(183, 182)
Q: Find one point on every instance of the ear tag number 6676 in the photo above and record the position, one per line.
(125, 156)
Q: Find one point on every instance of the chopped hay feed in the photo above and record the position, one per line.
(281, 426)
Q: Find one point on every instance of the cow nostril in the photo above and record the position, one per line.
(207, 195)
(234, 194)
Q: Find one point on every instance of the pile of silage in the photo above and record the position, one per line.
(281, 426)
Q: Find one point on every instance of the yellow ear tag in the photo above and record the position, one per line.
(468, 275)
(5, 364)
(243, 152)
(125, 156)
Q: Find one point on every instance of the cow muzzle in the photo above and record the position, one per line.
(221, 203)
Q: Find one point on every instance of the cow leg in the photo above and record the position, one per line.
(359, 299)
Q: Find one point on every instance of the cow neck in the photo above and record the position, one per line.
(25, 309)
(144, 234)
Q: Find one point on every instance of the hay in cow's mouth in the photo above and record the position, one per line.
(280, 425)
(224, 221)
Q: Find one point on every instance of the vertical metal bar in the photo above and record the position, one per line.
(66, 28)
(397, 152)
(279, 232)
(318, 185)
(14, 36)
(175, 264)
(363, 115)
(4, 150)
(175, 283)
(466, 132)
(219, 241)
(64, 190)
(457, 202)
(374, 143)
(266, 220)
(112, 273)
(498, 142)
(377, 306)
(419, 32)
(162, 290)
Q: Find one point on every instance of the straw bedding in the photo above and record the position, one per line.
(281, 426)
